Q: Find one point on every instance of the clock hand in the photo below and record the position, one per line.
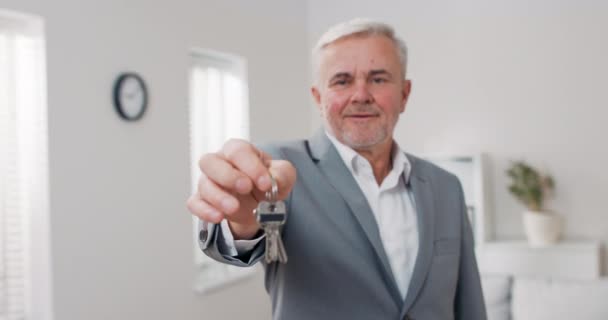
(131, 95)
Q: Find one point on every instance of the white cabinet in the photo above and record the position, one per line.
(473, 172)
(568, 259)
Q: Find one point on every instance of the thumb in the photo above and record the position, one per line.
(284, 174)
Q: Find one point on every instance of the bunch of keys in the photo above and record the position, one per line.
(271, 215)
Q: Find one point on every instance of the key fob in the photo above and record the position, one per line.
(271, 212)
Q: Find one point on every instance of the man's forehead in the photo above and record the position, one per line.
(352, 45)
(347, 58)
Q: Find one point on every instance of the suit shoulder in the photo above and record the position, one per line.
(426, 168)
(285, 149)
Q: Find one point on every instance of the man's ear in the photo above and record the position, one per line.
(407, 88)
(316, 95)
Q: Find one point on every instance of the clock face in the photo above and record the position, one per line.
(130, 96)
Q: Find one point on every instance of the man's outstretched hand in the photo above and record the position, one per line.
(233, 181)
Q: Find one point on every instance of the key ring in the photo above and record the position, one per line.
(273, 193)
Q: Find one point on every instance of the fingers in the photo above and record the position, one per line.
(249, 160)
(217, 204)
(285, 175)
(216, 197)
(219, 170)
(203, 210)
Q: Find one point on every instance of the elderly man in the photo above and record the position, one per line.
(372, 232)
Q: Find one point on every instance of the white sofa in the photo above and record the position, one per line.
(537, 298)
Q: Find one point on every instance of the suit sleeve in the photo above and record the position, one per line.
(469, 303)
(211, 240)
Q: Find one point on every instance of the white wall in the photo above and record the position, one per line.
(121, 233)
(516, 79)
(511, 78)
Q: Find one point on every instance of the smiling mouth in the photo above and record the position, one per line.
(361, 116)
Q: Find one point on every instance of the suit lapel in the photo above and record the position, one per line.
(423, 196)
(344, 183)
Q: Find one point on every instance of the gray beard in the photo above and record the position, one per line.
(369, 143)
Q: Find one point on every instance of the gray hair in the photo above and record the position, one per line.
(358, 27)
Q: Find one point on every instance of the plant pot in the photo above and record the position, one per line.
(542, 228)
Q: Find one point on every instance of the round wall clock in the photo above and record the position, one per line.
(130, 96)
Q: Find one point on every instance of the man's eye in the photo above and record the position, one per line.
(378, 80)
(340, 82)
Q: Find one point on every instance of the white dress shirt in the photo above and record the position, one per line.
(391, 203)
(392, 206)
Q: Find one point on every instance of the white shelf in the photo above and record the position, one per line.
(567, 259)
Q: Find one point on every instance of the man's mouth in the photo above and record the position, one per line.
(361, 115)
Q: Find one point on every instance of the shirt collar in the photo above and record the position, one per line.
(401, 164)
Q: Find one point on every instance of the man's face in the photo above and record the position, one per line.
(360, 90)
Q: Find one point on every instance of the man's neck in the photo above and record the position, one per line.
(380, 158)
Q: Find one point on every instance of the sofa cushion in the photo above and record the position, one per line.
(497, 296)
(550, 299)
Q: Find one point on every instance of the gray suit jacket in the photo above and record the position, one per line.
(338, 268)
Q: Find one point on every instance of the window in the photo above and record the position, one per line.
(24, 255)
(218, 111)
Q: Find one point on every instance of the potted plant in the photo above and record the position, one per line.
(532, 188)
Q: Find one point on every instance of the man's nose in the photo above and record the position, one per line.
(362, 95)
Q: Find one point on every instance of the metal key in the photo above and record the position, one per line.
(271, 215)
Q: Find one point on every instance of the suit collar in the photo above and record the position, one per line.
(422, 188)
(319, 145)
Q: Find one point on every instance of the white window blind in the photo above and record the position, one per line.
(23, 161)
(218, 112)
